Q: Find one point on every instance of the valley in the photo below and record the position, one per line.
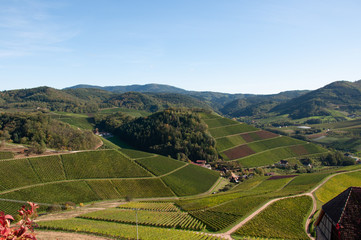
(168, 167)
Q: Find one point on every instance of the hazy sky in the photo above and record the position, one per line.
(235, 46)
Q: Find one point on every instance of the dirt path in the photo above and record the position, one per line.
(79, 211)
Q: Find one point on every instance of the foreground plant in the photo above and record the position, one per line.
(24, 229)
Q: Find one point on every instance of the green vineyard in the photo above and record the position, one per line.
(172, 219)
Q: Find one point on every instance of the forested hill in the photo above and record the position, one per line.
(90, 100)
(180, 134)
(229, 104)
(155, 101)
(341, 95)
(147, 88)
(46, 98)
(40, 131)
(258, 105)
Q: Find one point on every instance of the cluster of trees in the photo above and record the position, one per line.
(111, 122)
(336, 159)
(40, 131)
(180, 134)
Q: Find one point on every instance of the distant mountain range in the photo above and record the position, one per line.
(331, 100)
(226, 103)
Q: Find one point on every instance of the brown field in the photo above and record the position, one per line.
(299, 150)
(317, 135)
(239, 152)
(265, 134)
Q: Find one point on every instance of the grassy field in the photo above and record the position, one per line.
(282, 219)
(191, 180)
(78, 120)
(206, 116)
(338, 184)
(160, 165)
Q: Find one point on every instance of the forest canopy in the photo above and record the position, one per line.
(41, 130)
(178, 133)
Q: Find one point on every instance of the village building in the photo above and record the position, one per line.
(234, 177)
(340, 218)
(202, 163)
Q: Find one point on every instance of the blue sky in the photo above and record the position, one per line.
(235, 46)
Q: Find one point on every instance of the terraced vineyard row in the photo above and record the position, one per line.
(274, 155)
(160, 165)
(83, 165)
(153, 206)
(253, 147)
(254, 187)
(191, 180)
(337, 185)
(282, 219)
(6, 155)
(178, 219)
(122, 231)
(215, 221)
